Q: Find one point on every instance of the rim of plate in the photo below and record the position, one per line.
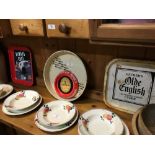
(100, 112)
(56, 104)
(49, 62)
(21, 112)
(55, 130)
(9, 92)
(127, 132)
(13, 96)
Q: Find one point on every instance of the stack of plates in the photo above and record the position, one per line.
(101, 122)
(21, 102)
(56, 116)
(5, 90)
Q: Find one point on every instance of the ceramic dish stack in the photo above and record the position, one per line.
(56, 116)
(5, 90)
(101, 122)
(21, 102)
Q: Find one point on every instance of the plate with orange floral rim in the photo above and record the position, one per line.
(56, 113)
(21, 112)
(101, 122)
(21, 100)
(82, 131)
(65, 75)
(59, 128)
(5, 90)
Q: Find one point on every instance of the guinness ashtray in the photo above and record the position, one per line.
(66, 84)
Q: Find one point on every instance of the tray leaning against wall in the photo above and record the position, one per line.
(129, 84)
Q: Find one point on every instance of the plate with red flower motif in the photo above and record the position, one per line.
(101, 122)
(21, 100)
(21, 112)
(56, 129)
(56, 113)
(82, 131)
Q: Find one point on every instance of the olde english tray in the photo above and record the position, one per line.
(129, 84)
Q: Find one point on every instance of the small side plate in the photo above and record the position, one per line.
(5, 90)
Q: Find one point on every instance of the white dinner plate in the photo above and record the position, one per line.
(21, 100)
(101, 122)
(4, 109)
(56, 113)
(65, 61)
(5, 90)
(81, 130)
(48, 129)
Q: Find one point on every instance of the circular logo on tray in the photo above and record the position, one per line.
(66, 84)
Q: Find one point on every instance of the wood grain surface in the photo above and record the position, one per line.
(79, 28)
(34, 27)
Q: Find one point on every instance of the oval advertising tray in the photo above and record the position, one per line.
(129, 84)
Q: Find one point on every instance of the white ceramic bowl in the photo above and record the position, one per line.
(101, 122)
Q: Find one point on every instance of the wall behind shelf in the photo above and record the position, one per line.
(95, 57)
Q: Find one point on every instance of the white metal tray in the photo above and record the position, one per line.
(129, 84)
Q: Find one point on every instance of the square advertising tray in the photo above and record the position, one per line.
(129, 84)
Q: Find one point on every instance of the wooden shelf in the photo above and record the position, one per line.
(128, 26)
(24, 124)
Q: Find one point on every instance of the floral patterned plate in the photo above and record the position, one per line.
(60, 128)
(5, 90)
(21, 112)
(101, 122)
(81, 130)
(21, 100)
(56, 113)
